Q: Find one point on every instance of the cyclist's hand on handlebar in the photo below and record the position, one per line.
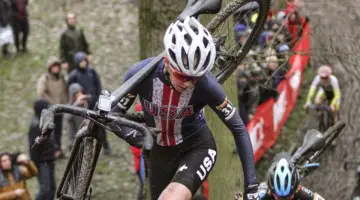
(306, 106)
(333, 108)
(134, 138)
(251, 192)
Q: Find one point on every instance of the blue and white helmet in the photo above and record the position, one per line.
(283, 179)
(189, 47)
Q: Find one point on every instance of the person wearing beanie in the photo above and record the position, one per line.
(77, 98)
(86, 76)
(51, 86)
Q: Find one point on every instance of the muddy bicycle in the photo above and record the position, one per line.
(320, 117)
(87, 145)
(305, 158)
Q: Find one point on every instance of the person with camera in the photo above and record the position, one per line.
(77, 98)
(14, 171)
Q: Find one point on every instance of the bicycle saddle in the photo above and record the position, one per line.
(313, 141)
(197, 7)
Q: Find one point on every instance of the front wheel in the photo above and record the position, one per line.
(80, 168)
(250, 16)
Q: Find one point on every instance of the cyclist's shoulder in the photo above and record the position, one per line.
(333, 78)
(137, 67)
(209, 82)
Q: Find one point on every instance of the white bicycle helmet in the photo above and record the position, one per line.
(189, 47)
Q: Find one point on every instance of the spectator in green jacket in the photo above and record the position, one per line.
(72, 40)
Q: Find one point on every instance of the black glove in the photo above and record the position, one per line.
(134, 138)
(251, 192)
(131, 136)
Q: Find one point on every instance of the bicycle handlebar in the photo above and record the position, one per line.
(47, 120)
(320, 107)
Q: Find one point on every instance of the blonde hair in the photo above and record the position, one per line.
(271, 59)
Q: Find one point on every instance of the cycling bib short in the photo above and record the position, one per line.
(188, 163)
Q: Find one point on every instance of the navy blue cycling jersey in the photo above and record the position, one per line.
(180, 115)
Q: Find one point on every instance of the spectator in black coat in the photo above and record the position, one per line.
(20, 23)
(89, 80)
(86, 76)
(43, 155)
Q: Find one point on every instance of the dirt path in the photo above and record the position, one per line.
(335, 41)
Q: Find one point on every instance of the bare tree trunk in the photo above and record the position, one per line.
(154, 17)
(335, 41)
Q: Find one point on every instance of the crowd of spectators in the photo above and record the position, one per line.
(267, 62)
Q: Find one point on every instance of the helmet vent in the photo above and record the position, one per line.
(206, 61)
(195, 29)
(184, 58)
(173, 39)
(197, 58)
(206, 42)
(188, 39)
(180, 27)
(172, 54)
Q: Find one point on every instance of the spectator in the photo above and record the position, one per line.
(79, 99)
(52, 87)
(283, 51)
(87, 77)
(43, 155)
(273, 76)
(241, 34)
(13, 176)
(293, 6)
(248, 91)
(72, 40)
(20, 23)
(6, 36)
(274, 71)
(280, 17)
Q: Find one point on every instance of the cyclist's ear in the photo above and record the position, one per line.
(166, 61)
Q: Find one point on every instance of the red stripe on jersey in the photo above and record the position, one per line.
(165, 102)
(171, 123)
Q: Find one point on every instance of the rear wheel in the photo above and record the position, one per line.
(231, 49)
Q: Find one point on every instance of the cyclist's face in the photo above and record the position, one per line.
(325, 80)
(180, 81)
(5, 162)
(283, 198)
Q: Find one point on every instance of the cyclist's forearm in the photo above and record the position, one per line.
(337, 95)
(311, 94)
(244, 148)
